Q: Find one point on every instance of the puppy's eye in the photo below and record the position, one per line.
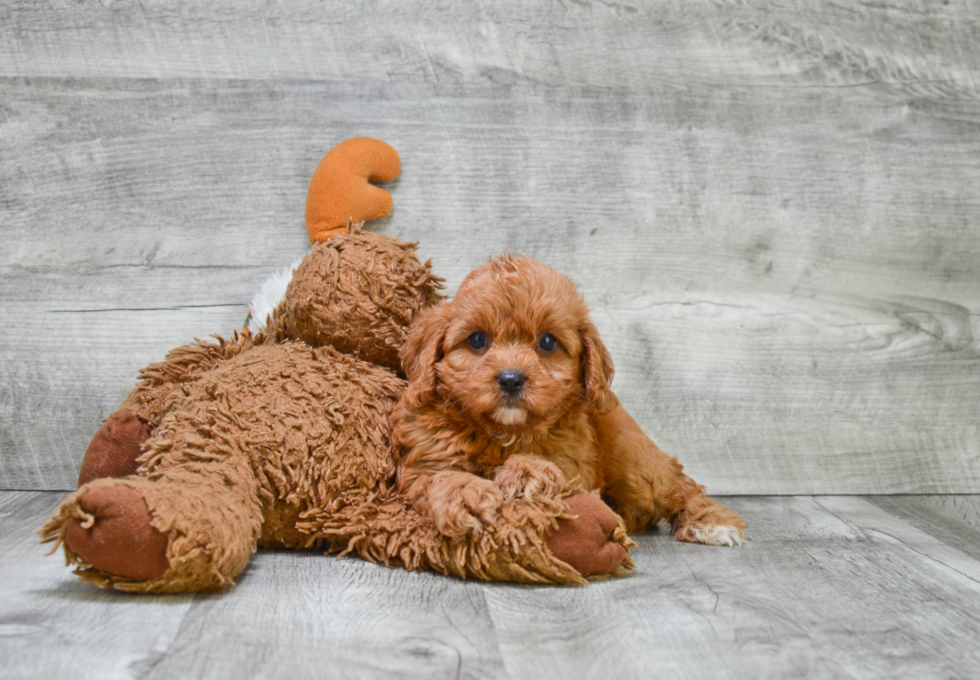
(477, 341)
(547, 343)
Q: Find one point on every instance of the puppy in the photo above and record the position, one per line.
(508, 395)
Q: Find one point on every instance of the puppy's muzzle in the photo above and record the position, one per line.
(511, 382)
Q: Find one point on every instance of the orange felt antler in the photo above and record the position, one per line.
(339, 190)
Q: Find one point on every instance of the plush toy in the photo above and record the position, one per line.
(281, 437)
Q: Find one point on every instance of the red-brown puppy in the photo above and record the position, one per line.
(509, 396)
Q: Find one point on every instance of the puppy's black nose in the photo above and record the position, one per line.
(511, 382)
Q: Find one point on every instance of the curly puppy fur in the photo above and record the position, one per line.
(509, 397)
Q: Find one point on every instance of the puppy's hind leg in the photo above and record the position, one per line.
(645, 485)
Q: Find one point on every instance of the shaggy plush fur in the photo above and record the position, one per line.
(284, 439)
(509, 397)
(358, 294)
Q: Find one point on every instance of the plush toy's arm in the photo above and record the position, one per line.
(547, 540)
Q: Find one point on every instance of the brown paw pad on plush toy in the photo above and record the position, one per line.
(282, 437)
(114, 533)
(590, 538)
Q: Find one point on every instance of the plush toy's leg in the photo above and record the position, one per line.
(180, 530)
(590, 537)
(114, 532)
(114, 448)
(540, 541)
(645, 484)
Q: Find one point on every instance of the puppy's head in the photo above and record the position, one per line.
(513, 350)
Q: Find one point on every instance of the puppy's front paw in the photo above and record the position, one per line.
(461, 503)
(712, 534)
(526, 477)
(708, 522)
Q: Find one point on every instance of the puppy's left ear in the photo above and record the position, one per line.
(597, 370)
(420, 354)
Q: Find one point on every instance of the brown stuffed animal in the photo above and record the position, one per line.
(282, 438)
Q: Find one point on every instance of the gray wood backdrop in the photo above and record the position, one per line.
(774, 208)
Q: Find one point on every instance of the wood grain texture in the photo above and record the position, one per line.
(921, 45)
(955, 520)
(293, 614)
(772, 209)
(824, 587)
(55, 627)
(321, 618)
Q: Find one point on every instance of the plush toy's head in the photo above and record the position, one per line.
(357, 291)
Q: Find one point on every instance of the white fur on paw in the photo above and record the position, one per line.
(717, 535)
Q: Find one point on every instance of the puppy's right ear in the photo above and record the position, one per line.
(420, 354)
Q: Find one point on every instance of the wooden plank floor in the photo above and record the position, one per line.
(824, 587)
